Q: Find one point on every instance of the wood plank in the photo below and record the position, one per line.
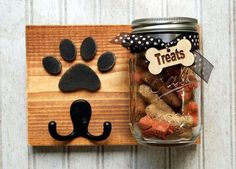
(144, 9)
(118, 157)
(115, 157)
(79, 12)
(47, 12)
(189, 156)
(83, 157)
(46, 102)
(12, 72)
(233, 81)
(28, 20)
(187, 8)
(217, 94)
(150, 157)
(46, 158)
(119, 13)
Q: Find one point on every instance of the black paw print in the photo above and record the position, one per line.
(79, 76)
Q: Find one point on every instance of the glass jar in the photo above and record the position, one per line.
(165, 107)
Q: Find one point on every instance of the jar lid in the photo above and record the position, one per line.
(173, 24)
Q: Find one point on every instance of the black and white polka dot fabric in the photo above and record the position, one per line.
(201, 66)
(141, 42)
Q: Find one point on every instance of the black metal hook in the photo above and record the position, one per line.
(80, 112)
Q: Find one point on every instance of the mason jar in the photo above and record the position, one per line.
(165, 89)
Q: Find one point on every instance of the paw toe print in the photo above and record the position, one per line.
(52, 65)
(79, 76)
(88, 49)
(67, 50)
(106, 62)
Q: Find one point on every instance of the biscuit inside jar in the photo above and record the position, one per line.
(165, 103)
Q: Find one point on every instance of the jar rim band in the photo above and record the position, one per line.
(171, 24)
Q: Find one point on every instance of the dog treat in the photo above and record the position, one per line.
(52, 65)
(88, 49)
(186, 93)
(67, 50)
(106, 62)
(175, 120)
(191, 109)
(79, 77)
(152, 98)
(151, 128)
(158, 86)
(159, 116)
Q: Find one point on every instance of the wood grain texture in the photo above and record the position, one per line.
(153, 157)
(78, 12)
(45, 12)
(232, 29)
(38, 156)
(12, 85)
(115, 157)
(213, 154)
(217, 94)
(46, 102)
(187, 157)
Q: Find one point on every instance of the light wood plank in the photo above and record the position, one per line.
(47, 12)
(28, 20)
(185, 8)
(233, 73)
(150, 157)
(217, 101)
(118, 157)
(145, 9)
(12, 108)
(80, 12)
(115, 12)
(184, 157)
(46, 158)
(12, 69)
(81, 157)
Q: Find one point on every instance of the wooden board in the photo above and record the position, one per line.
(47, 103)
(218, 136)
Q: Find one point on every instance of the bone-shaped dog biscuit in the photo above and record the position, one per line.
(179, 54)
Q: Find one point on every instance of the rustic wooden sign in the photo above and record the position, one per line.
(46, 102)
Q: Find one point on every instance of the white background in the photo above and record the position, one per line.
(217, 150)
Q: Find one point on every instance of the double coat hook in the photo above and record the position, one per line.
(80, 112)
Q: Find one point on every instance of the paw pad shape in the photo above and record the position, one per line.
(79, 76)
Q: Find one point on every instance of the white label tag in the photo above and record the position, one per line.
(179, 54)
